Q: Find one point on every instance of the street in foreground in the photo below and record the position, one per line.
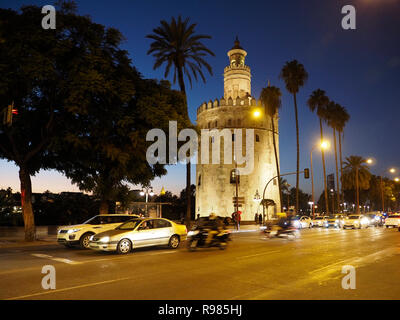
(251, 268)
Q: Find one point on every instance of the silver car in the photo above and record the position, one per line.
(137, 233)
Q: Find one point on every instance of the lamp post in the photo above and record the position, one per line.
(323, 146)
(392, 171)
(257, 198)
(146, 191)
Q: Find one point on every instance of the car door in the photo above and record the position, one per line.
(99, 224)
(144, 234)
(163, 230)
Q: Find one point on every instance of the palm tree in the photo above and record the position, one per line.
(342, 118)
(356, 176)
(333, 114)
(319, 101)
(176, 44)
(295, 76)
(271, 99)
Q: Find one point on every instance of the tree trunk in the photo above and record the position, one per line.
(277, 164)
(341, 165)
(337, 172)
(104, 207)
(298, 153)
(324, 167)
(188, 167)
(357, 193)
(26, 202)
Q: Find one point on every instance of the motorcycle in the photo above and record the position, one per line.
(290, 233)
(197, 239)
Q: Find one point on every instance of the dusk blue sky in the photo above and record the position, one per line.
(357, 68)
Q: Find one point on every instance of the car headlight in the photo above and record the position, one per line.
(105, 239)
(73, 230)
(336, 221)
(192, 233)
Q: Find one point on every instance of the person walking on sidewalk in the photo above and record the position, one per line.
(256, 218)
(260, 219)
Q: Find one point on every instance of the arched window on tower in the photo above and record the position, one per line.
(257, 138)
(199, 181)
(233, 177)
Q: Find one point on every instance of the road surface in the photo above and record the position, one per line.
(251, 268)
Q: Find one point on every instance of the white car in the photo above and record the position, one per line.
(303, 222)
(393, 221)
(319, 221)
(79, 234)
(356, 221)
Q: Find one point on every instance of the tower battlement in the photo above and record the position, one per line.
(249, 101)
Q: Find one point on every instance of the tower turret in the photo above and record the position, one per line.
(237, 76)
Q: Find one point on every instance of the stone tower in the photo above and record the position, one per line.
(216, 183)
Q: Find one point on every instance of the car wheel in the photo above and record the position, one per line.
(174, 242)
(387, 227)
(84, 240)
(124, 246)
(192, 245)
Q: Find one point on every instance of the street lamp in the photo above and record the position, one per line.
(256, 113)
(147, 191)
(324, 145)
(257, 198)
(391, 170)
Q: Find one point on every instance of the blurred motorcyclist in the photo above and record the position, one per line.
(283, 223)
(214, 227)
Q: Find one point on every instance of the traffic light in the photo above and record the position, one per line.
(306, 173)
(7, 117)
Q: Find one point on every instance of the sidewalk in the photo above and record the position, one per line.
(10, 242)
(245, 228)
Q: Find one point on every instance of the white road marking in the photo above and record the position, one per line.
(45, 256)
(66, 289)
(258, 254)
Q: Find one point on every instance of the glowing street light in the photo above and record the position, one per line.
(391, 170)
(256, 113)
(324, 145)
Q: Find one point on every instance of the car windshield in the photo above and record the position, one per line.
(106, 219)
(353, 217)
(129, 225)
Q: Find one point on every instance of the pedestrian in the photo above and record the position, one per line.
(198, 216)
(256, 218)
(260, 219)
(234, 218)
(238, 217)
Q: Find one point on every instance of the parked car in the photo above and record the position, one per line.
(393, 220)
(139, 232)
(319, 221)
(79, 234)
(356, 221)
(302, 222)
